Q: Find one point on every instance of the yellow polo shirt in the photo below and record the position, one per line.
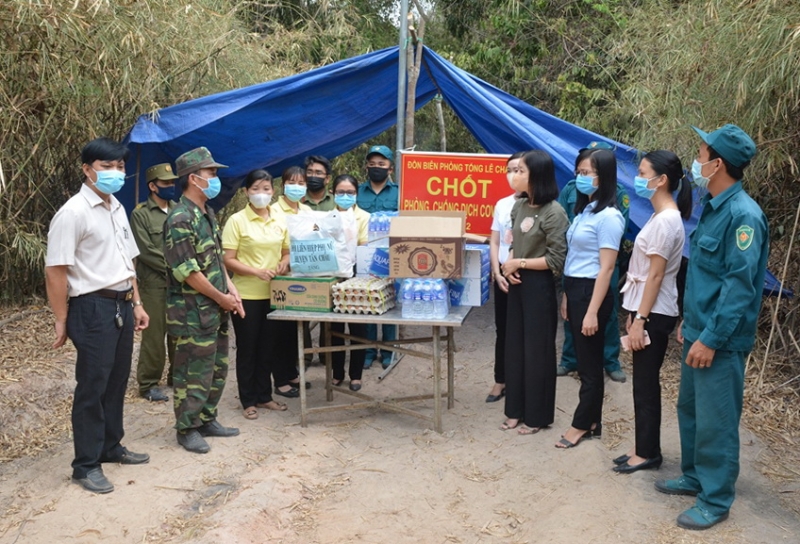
(362, 221)
(258, 243)
(281, 207)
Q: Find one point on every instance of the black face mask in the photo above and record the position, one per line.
(377, 175)
(315, 183)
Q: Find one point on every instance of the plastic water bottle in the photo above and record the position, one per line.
(427, 300)
(408, 298)
(417, 310)
(372, 228)
(440, 296)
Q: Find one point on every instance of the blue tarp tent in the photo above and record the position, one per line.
(333, 109)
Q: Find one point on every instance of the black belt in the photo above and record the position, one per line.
(116, 295)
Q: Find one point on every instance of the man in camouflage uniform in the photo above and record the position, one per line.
(199, 298)
(147, 225)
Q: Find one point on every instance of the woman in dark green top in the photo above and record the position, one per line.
(538, 251)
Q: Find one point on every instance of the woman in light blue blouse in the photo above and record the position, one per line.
(593, 241)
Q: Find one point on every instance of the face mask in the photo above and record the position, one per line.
(315, 183)
(584, 185)
(109, 181)
(699, 179)
(166, 193)
(260, 200)
(377, 175)
(213, 189)
(641, 188)
(344, 201)
(295, 192)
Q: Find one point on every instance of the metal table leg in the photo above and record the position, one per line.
(437, 384)
(326, 334)
(450, 369)
(301, 365)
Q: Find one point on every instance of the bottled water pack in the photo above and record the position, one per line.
(425, 299)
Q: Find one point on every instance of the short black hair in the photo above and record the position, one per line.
(604, 163)
(343, 178)
(319, 159)
(104, 149)
(291, 172)
(736, 172)
(257, 175)
(542, 186)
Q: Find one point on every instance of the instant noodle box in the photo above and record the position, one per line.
(305, 294)
(426, 245)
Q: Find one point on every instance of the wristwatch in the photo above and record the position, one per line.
(136, 303)
(642, 317)
(523, 263)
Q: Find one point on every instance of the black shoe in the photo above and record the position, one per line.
(625, 468)
(155, 395)
(495, 398)
(621, 460)
(127, 458)
(215, 428)
(193, 442)
(596, 432)
(355, 386)
(95, 481)
(296, 385)
(292, 393)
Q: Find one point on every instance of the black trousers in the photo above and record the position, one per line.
(588, 349)
(357, 356)
(253, 357)
(531, 349)
(647, 385)
(500, 313)
(283, 351)
(101, 370)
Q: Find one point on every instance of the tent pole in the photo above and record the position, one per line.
(401, 80)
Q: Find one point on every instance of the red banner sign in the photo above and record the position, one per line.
(472, 183)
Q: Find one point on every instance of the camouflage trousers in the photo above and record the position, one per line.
(199, 372)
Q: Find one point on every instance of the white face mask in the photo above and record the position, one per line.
(260, 200)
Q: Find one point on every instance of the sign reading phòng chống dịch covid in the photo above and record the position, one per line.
(472, 183)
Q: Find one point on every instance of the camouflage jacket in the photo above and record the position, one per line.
(193, 243)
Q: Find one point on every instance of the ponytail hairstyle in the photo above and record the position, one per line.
(667, 163)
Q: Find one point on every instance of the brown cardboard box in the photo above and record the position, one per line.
(428, 245)
(305, 294)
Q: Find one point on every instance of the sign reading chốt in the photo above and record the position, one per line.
(472, 183)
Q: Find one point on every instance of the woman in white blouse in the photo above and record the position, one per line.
(651, 297)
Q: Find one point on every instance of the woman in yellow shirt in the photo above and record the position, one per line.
(345, 188)
(256, 245)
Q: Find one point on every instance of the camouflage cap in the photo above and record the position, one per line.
(161, 171)
(194, 160)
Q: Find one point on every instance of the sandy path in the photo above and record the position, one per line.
(374, 477)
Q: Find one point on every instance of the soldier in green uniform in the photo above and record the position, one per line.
(318, 175)
(199, 298)
(569, 363)
(147, 225)
(724, 284)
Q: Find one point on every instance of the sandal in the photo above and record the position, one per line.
(273, 405)
(528, 430)
(565, 444)
(506, 426)
(250, 412)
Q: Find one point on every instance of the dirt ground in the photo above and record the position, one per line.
(373, 476)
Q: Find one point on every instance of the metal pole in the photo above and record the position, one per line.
(402, 67)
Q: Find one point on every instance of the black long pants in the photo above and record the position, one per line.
(531, 349)
(588, 349)
(357, 356)
(500, 315)
(647, 385)
(283, 350)
(253, 357)
(101, 370)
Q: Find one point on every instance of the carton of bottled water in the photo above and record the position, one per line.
(408, 298)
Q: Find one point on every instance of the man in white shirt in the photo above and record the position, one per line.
(91, 287)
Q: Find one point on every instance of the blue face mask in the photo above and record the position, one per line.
(166, 193)
(699, 179)
(641, 188)
(214, 186)
(584, 184)
(294, 192)
(345, 202)
(109, 181)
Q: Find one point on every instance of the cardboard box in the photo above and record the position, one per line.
(306, 294)
(425, 245)
(476, 261)
(469, 291)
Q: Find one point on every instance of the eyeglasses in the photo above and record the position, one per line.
(320, 173)
(342, 193)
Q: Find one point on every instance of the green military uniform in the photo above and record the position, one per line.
(325, 205)
(193, 243)
(147, 225)
(567, 199)
(724, 285)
